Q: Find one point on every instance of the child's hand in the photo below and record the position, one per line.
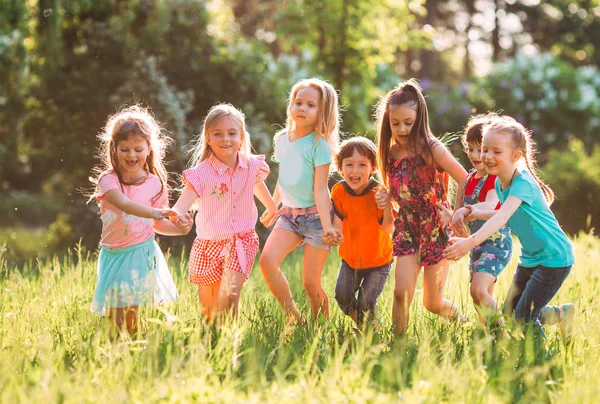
(183, 222)
(382, 198)
(459, 248)
(268, 217)
(332, 237)
(159, 214)
(458, 224)
(473, 214)
(445, 214)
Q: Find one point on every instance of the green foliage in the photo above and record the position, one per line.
(550, 97)
(54, 349)
(575, 178)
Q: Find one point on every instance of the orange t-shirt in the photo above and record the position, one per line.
(365, 244)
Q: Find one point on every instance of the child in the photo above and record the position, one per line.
(304, 150)
(546, 252)
(131, 188)
(415, 166)
(364, 217)
(222, 181)
(488, 259)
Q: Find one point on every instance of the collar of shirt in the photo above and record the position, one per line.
(221, 168)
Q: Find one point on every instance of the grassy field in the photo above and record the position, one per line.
(54, 350)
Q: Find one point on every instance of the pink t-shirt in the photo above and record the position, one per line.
(226, 196)
(120, 229)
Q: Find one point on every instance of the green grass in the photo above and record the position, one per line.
(54, 350)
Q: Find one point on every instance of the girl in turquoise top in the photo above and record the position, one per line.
(304, 150)
(546, 252)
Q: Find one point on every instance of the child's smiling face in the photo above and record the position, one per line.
(305, 109)
(132, 154)
(475, 157)
(225, 140)
(357, 170)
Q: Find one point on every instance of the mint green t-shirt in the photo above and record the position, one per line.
(543, 242)
(297, 162)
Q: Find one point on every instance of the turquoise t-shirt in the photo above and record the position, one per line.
(542, 240)
(297, 161)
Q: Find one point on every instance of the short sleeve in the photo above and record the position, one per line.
(321, 153)
(263, 169)
(106, 183)
(275, 156)
(522, 189)
(192, 176)
(336, 200)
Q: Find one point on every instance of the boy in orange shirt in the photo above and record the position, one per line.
(363, 214)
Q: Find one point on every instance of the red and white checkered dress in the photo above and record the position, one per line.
(227, 214)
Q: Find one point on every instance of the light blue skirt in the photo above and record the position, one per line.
(132, 276)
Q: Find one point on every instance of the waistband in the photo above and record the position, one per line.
(121, 250)
(286, 210)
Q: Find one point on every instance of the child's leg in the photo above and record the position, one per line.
(372, 285)
(539, 290)
(517, 286)
(279, 244)
(434, 282)
(312, 269)
(209, 299)
(482, 287)
(125, 316)
(345, 290)
(406, 273)
(229, 292)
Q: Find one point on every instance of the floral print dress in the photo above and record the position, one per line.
(417, 187)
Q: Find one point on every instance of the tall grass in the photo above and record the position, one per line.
(54, 350)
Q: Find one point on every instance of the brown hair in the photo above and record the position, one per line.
(361, 144)
(408, 92)
(135, 120)
(521, 140)
(473, 132)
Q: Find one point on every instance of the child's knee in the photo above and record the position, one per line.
(402, 295)
(478, 293)
(345, 300)
(433, 306)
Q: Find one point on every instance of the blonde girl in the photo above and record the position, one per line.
(546, 252)
(415, 166)
(304, 150)
(132, 190)
(223, 178)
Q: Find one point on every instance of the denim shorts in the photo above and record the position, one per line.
(307, 226)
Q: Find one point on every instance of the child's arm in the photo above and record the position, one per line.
(186, 200)
(264, 196)
(382, 198)
(446, 161)
(322, 198)
(121, 201)
(461, 246)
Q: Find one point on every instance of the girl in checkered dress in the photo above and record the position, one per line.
(221, 183)
(132, 191)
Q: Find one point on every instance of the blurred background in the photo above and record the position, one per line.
(66, 65)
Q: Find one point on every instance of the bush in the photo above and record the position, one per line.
(575, 178)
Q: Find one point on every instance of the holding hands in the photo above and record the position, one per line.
(454, 222)
(183, 222)
(332, 237)
(382, 198)
(268, 217)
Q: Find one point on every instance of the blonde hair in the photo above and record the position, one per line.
(201, 149)
(135, 120)
(328, 114)
(521, 140)
(408, 92)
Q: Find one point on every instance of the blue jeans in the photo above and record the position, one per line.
(530, 292)
(367, 282)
